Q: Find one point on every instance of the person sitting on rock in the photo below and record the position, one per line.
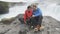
(28, 15)
(37, 17)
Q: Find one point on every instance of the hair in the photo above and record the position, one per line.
(34, 5)
(28, 7)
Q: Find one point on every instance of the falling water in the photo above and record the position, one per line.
(50, 9)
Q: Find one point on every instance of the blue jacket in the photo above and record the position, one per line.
(37, 12)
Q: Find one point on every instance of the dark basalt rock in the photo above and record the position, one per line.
(4, 7)
(52, 26)
(7, 21)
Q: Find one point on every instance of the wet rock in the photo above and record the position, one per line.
(22, 32)
(7, 20)
(51, 25)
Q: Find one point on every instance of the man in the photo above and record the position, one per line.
(37, 17)
(28, 15)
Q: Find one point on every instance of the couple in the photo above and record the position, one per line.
(33, 16)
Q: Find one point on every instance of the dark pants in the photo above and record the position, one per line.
(28, 21)
(34, 21)
(37, 20)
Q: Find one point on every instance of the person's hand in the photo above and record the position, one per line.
(33, 16)
(24, 22)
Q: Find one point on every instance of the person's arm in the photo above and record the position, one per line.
(38, 13)
(25, 17)
(31, 13)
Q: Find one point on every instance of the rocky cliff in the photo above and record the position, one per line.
(52, 26)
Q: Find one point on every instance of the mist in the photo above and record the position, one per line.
(47, 8)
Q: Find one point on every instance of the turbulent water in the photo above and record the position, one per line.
(47, 9)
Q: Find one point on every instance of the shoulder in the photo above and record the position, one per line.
(26, 10)
(31, 10)
(38, 8)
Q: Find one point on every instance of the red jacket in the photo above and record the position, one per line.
(27, 14)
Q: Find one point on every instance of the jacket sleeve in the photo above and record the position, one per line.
(31, 12)
(38, 13)
(25, 17)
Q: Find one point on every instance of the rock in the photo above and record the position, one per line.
(4, 7)
(4, 29)
(51, 25)
(22, 32)
(57, 29)
(7, 20)
(16, 22)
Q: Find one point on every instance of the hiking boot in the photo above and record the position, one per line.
(41, 28)
(35, 29)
